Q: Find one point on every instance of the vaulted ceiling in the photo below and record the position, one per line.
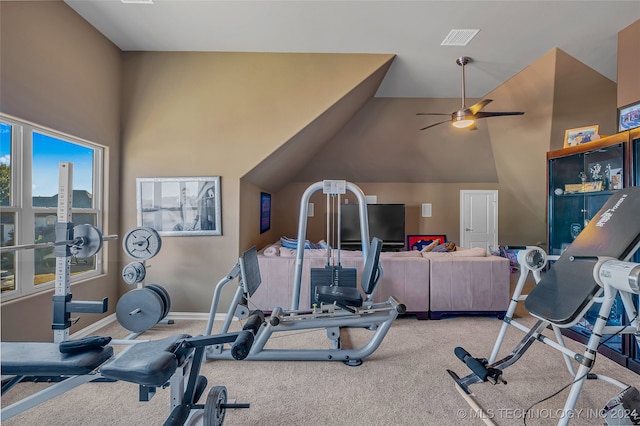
(512, 34)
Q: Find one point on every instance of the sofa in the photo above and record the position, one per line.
(430, 284)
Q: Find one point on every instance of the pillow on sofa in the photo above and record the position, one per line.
(272, 250)
(472, 252)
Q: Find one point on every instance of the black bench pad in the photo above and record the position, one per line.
(45, 359)
(568, 287)
(149, 363)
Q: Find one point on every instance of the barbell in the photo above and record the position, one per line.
(87, 241)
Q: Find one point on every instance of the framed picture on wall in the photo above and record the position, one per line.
(629, 117)
(265, 212)
(180, 206)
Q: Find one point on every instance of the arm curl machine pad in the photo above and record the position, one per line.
(148, 363)
(84, 344)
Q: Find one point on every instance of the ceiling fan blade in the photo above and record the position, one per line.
(431, 113)
(496, 114)
(432, 125)
(477, 107)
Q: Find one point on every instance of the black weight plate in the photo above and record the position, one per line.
(139, 310)
(166, 300)
(214, 408)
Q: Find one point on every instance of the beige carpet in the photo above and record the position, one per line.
(403, 383)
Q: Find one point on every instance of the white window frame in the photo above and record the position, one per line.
(21, 203)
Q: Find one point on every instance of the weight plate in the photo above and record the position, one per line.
(139, 310)
(163, 295)
(214, 408)
(134, 273)
(91, 243)
(142, 243)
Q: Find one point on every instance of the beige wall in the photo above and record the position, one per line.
(629, 64)
(444, 197)
(220, 114)
(58, 71)
(510, 153)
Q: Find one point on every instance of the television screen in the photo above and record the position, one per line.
(386, 221)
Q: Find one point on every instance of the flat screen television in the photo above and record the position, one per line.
(386, 221)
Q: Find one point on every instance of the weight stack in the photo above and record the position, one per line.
(331, 276)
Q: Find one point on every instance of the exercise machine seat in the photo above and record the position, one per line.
(148, 363)
(45, 359)
(568, 287)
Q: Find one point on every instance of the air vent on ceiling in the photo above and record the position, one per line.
(459, 37)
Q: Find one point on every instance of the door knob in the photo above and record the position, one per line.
(468, 229)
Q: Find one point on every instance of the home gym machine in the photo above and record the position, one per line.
(174, 361)
(594, 269)
(338, 306)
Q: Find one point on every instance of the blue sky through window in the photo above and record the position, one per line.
(5, 144)
(48, 152)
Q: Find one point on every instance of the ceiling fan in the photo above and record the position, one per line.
(465, 117)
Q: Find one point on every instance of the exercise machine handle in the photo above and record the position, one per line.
(254, 322)
(474, 365)
(242, 345)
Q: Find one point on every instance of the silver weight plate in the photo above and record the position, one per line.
(139, 310)
(163, 295)
(142, 243)
(91, 239)
(134, 273)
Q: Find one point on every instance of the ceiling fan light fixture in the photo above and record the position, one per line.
(463, 123)
(463, 119)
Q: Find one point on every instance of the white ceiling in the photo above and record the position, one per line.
(513, 34)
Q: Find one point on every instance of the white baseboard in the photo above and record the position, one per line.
(184, 316)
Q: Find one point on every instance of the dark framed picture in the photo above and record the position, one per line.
(418, 242)
(629, 117)
(265, 212)
(180, 206)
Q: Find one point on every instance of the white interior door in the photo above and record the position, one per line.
(479, 219)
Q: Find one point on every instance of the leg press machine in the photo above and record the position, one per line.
(594, 269)
(339, 306)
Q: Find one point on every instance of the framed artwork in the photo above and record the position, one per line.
(629, 117)
(265, 212)
(580, 135)
(180, 206)
(418, 242)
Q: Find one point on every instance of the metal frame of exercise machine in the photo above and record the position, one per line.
(175, 361)
(594, 269)
(342, 306)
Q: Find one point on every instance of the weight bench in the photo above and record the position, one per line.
(594, 269)
(150, 364)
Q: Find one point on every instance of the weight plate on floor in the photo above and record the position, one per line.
(163, 295)
(134, 273)
(139, 310)
(214, 408)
